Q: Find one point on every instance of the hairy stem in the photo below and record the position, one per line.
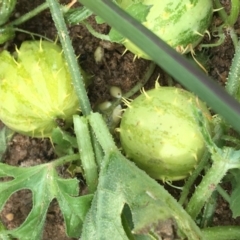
(65, 159)
(206, 187)
(222, 13)
(233, 82)
(218, 132)
(233, 16)
(190, 181)
(223, 194)
(222, 233)
(71, 59)
(86, 152)
(102, 133)
(223, 160)
(29, 15)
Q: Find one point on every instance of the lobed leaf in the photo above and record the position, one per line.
(65, 143)
(122, 183)
(45, 185)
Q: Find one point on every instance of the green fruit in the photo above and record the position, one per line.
(160, 134)
(6, 34)
(36, 89)
(6, 8)
(182, 24)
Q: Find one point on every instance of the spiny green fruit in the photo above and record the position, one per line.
(180, 23)
(160, 134)
(36, 89)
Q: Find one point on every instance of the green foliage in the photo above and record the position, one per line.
(120, 183)
(64, 142)
(45, 184)
(127, 203)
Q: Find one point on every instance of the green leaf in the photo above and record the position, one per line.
(5, 136)
(139, 11)
(120, 183)
(45, 185)
(65, 143)
(115, 36)
(99, 20)
(77, 15)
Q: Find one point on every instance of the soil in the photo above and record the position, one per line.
(115, 69)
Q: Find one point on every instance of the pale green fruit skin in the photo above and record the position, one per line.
(182, 24)
(36, 89)
(160, 134)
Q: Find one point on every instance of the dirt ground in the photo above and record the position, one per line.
(115, 70)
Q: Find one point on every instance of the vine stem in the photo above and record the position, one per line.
(78, 83)
(223, 160)
(223, 194)
(233, 82)
(81, 129)
(146, 76)
(65, 159)
(29, 15)
(230, 19)
(70, 57)
(222, 13)
(218, 132)
(95, 33)
(221, 232)
(102, 133)
(233, 16)
(192, 178)
(206, 187)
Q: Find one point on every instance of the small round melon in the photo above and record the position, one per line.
(36, 89)
(181, 24)
(160, 134)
